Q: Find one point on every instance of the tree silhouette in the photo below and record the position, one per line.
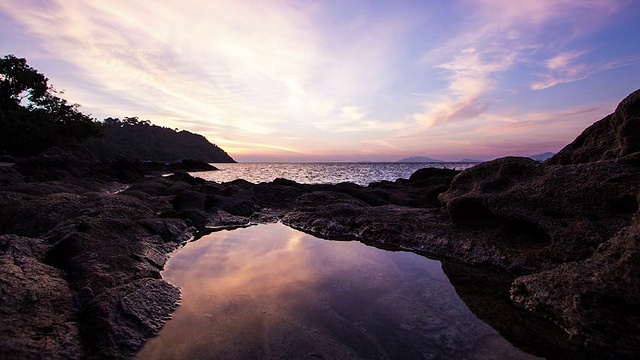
(32, 116)
(139, 139)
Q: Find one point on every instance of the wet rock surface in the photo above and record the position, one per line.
(552, 245)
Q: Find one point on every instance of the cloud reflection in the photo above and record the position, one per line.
(273, 292)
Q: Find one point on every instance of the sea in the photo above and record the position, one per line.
(361, 173)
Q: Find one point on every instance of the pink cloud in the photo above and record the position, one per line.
(563, 69)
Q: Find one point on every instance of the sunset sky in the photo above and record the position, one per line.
(340, 80)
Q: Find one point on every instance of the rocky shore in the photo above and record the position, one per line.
(547, 253)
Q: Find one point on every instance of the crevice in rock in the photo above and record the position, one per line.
(526, 231)
(472, 213)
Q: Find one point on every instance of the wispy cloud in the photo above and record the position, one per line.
(498, 35)
(352, 113)
(469, 76)
(564, 68)
(289, 77)
(254, 67)
(563, 60)
(508, 132)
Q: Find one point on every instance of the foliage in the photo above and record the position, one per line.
(139, 139)
(32, 116)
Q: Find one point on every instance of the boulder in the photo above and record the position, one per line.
(433, 175)
(571, 227)
(615, 136)
(121, 319)
(597, 300)
(547, 214)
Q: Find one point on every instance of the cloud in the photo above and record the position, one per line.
(563, 60)
(563, 68)
(354, 113)
(497, 36)
(313, 77)
(252, 67)
(489, 135)
(383, 143)
(364, 127)
(469, 76)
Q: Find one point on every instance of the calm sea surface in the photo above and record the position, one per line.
(272, 292)
(320, 173)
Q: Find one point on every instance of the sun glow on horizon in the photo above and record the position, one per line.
(340, 80)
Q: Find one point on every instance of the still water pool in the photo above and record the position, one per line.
(272, 292)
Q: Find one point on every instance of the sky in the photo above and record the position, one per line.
(344, 80)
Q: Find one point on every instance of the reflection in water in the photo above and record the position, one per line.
(271, 292)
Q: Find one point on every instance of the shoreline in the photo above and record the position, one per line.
(553, 245)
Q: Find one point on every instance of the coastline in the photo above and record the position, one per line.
(552, 245)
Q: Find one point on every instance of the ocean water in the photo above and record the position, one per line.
(272, 292)
(321, 173)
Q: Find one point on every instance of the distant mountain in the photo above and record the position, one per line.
(418, 159)
(471, 160)
(141, 140)
(542, 157)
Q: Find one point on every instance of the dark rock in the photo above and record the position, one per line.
(328, 214)
(8, 159)
(153, 186)
(183, 176)
(360, 193)
(126, 169)
(9, 176)
(170, 230)
(556, 213)
(240, 184)
(241, 208)
(79, 153)
(560, 236)
(572, 219)
(192, 165)
(189, 199)
(615, 136)
(212, 189)
(43, 168)
(38, 214)
(433, 173)
(118, 321)
(192, 205)
(556, 221)
(597, 301)
(626, 122)
(183, 165)
(38, 310)
(285, 182)
(151, 314)
(70, 294)
(485, 292)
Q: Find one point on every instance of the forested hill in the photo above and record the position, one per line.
(141, 140)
